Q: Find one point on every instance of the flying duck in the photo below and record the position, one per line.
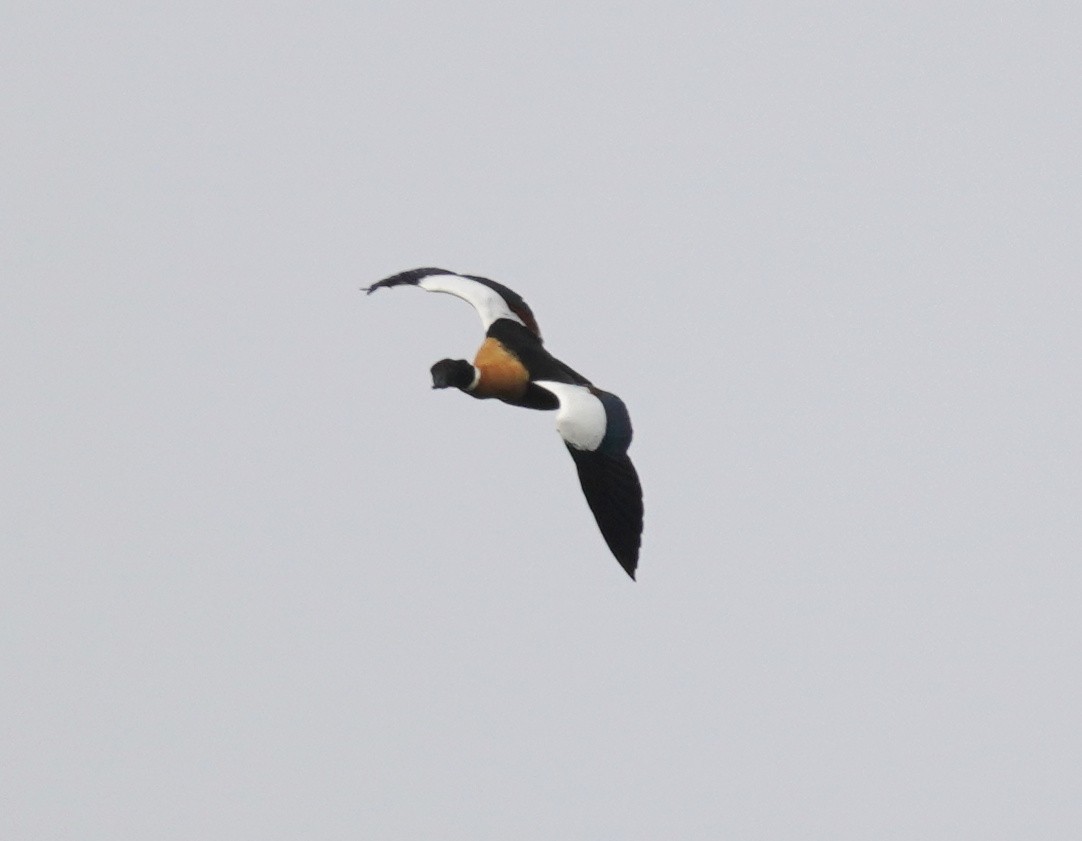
(512, 365)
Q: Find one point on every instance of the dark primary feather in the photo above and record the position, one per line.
(408, 278)
(612, 490)
(513, 300)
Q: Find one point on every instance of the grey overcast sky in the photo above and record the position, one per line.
(259, 581)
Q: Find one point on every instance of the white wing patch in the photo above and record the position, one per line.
(489, 304)
(581, 419)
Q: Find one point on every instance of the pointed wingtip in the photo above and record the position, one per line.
(379, 284)
(629, 562)
(407, 278)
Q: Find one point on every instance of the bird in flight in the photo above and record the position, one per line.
(512, 365)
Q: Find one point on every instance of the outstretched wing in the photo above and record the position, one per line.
(492, 300)
(614, 494)
(596, 428)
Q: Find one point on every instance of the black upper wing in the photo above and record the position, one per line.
(614, 494)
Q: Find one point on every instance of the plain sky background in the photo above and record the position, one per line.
(260, 582)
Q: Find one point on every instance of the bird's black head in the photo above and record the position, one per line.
(452, 373)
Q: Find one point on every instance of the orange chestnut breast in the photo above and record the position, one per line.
(502, 374)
